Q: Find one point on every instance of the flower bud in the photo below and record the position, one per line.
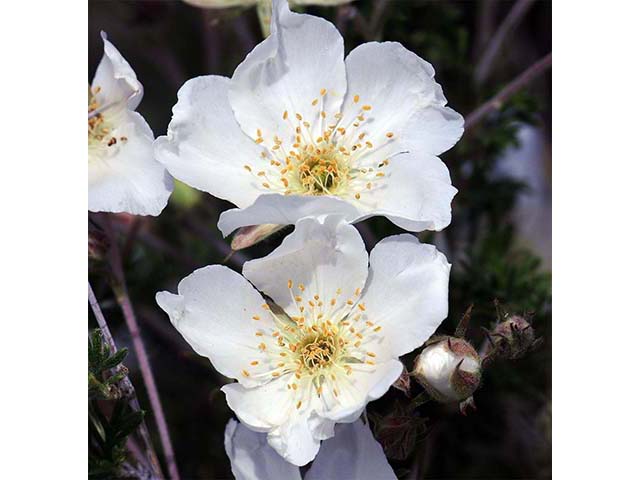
(449, 369)
(513, 338)
(248, 236)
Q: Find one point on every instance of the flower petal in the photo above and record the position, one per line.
(125, 177)
(117, 80)
(353, 453)
(252, 458)
(294, 440)
(301, 61)
(214, 311)
(204, 146)
(406, 291)
(323, 255)
(415, 194)
(271, 408)
(404, 98)
(262, 408)
(284, 210)
(365, 384)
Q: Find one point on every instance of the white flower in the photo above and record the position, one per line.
(299, 131)
(352, 454)
(449, 369)
(330, 341)
(123, 174)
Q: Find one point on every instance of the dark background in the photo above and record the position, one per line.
(498, 242)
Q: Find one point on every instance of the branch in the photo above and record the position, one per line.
(511, 21)
(127, 386)
(497, 101)
(122, 296)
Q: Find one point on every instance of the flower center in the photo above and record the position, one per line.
(319, 348)
(322, 169)
(342, 160)
(317, 352)
(100, 130)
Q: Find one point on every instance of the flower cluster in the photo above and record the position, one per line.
(300, 135)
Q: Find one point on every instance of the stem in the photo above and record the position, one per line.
(498, 100)
(511, 21)
(127, 386)
(122, 296)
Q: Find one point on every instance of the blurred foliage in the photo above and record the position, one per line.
(108, 433)
(509, 435)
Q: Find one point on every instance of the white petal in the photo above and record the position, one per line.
(295, 441)
(265, 407)
(303, 56)
(352, 454)
(405, 98)
(204, 146)
(365, 384)
(416, 193)
(125, 177)
(252, 458)
(271, 408)
(406, 291)
(213, 311)
(285, 210)
(324, 255)
(117, 80)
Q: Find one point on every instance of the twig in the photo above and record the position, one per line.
(122, 296)
(497, 101)
(378, 18)
(511, 21)
(127, 386)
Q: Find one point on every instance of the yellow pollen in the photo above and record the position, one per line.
(357, 195)
(356, 98)
(315, 102)
(247, 168)
(254, 363)
(285, 115)
(366, 108)
(290, 283)
(256, 317)
(323, 92)
(245, 373)
(361, 306)
(299, 404)
(371, 354)
(377, 329)
(389, 134)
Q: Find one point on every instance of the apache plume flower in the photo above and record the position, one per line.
(300, 131)
(123, 174)
(449, 369)
(330, 341)
(253, 459)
